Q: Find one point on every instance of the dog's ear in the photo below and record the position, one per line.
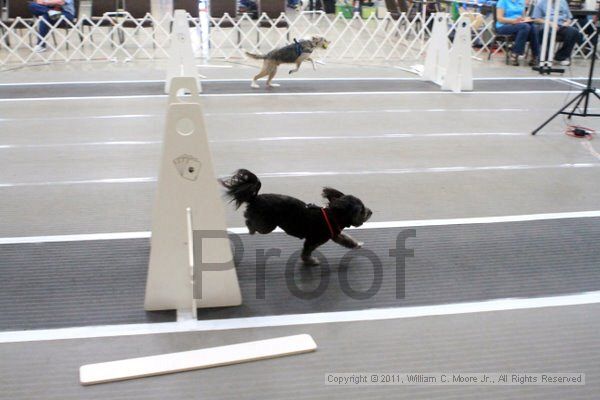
(331, 193)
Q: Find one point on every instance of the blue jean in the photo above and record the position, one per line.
(569, 36)
(41, 11)
(524, 32)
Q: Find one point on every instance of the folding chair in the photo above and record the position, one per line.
(190, 7)
(503, 42)
(99, 18)
(273, 9)
(18, 9)
(140, 11)
(222, 12)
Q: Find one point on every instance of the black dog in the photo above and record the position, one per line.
(317, 225)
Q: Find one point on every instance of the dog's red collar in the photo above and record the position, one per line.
(332, 232)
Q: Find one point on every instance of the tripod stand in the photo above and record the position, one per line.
(583, 96)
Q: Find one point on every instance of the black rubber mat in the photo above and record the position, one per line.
(555, 339)
(51, 285)
(91, 283)
(289, 86)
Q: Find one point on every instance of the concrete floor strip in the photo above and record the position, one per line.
(298, 174)
(299, 319)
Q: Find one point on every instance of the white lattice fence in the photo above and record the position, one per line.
(120, 37)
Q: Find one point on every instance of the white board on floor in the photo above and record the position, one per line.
(196, 359)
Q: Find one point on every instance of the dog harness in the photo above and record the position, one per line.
(331, 231)
(297, 48)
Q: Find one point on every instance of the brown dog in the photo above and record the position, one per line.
(294, 53)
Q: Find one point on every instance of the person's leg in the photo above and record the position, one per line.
(534, 41)
(521, 32)
(570, 36)
(38, 10)
(41, 11)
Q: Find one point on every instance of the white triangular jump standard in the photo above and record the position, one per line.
(459, 74)
(191, 263)
(181, 55)
(436, 60)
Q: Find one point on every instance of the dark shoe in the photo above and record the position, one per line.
(534, 61)
(514, 59)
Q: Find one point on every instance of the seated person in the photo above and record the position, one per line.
(50, 12)
(567, 33)
(511, 18)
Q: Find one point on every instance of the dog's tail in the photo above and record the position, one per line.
(256, 56)
(242, 187)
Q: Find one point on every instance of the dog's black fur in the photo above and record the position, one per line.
(265, 212)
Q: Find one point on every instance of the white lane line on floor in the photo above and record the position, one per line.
(526, 92)
(108, 143)
(78, 117)
(389, 111)
(257, 93)
(510, 304)
(368, 225)
(276, 113)
(77, 83)
(76, 238)
(570, 82)
(577, 84)
(427, 170)
(299, 174)
(388, 136)
(509, 78)
(384, 136)
(81, 182)
(144, 96)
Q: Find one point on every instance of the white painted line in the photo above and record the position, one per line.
(368, 225)
(388, 136)
(406, 110)
(146, 96)
(44, 83)
(426, 170)
(570, 82)
(298, 174)
(480, 220)
(257, 93)
(510, 304)
(110, 143)
(393, 93)
(75, 238)
(361, 137)
(79, 117)
(350, 79)
(214, 66)
(80, 182)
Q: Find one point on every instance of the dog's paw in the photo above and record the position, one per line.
(254, 85)
(359, 245)
(310, 262)
(274, 85)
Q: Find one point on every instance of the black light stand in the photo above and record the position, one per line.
(583, 96)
